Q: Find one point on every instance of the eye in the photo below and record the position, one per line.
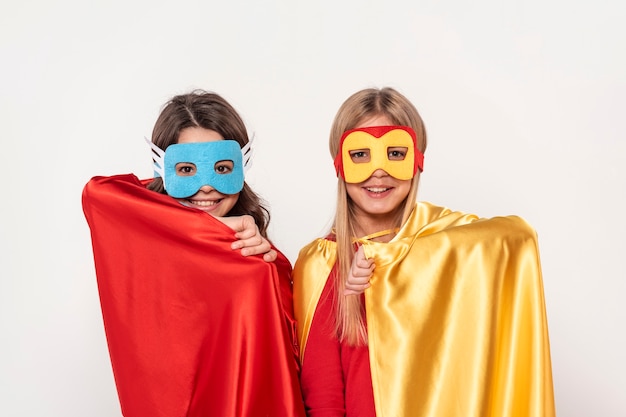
(397, 153)
(360, 156)
(185, 169)
(224, 167)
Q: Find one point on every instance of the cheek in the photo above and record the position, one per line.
(352, 190)
(404, 188)
(232, 199)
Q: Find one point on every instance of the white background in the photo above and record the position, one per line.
(524, 103)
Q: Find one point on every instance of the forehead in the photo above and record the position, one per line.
(198, 134)
(376, 120)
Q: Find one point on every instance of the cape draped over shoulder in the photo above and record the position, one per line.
(455, 316)
(193, 327)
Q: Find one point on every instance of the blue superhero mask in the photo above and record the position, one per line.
(205, 157)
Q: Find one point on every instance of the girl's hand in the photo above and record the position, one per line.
(360, 273)
(249, 238)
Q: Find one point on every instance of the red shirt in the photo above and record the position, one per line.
(335, 379)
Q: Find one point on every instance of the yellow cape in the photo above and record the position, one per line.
(455, 315)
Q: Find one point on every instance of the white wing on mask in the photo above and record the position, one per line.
(158, 155)
(246, 153)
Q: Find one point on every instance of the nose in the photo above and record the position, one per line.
(380, 173)
(206, 188)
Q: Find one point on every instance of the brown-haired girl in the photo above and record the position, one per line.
(194, 328)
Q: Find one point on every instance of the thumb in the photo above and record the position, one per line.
(360, 254)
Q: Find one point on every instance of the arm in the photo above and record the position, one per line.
(249, 240)
(360, 273)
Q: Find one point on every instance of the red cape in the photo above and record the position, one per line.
(193, 327)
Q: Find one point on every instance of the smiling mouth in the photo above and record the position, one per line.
(204, 203)
(377, 190)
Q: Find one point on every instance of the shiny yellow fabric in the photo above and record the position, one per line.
(455, 315)
(311, 270)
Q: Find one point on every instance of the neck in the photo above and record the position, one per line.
(380, 228)
(383, 236)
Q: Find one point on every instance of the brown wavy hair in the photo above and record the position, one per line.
(208, 110)
(362, 105)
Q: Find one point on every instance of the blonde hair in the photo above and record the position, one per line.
(364, 104)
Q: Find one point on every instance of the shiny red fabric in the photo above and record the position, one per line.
(193, 328)
(335, 377)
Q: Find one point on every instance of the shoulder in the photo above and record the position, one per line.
(282, 263)
(321, 247)
(314, 259)
(514, 228)
(505, 234)
(470, 226)
(511, 225)
(101, 180)
(107, 186)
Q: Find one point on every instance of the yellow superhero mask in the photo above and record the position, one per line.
(390, 148)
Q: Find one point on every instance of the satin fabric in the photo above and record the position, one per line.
(455, 314)
(193, 327)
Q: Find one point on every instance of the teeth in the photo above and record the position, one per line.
(203, 203)
(377, 190)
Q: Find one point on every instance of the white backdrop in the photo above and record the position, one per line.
(524, 104)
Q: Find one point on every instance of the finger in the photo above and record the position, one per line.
(362, 270)
(360, 253)
(361, 260)
(270, 256)
(255, 250)
(358, 288)
(243, 243)
(245, 234)
(350, 291)
(260, 247)
(364, 263)
(358, 280)
(251, 242)
(246, 228)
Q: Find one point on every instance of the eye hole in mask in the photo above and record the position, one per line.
(189, 169)
(363, 156)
